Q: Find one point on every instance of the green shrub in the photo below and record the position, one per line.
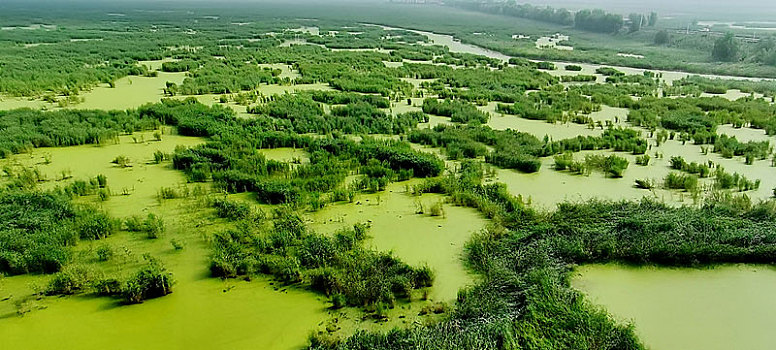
(338, 301)
(642, 160)
(437, 209)
(231, 209)
(122, 161)
(95, 225)
(169, 193)
(338, 265)
(678, 181)
(160, 156)
(177, 244)
(645, 184)
(69, 281)
(151, 225)
(724, 180)
(103, 194)
(151, 281)
(611, 165)
(102, 180)
(344, 194)
(563, 161)
(546, 65)
(104, 252)
(107, 287)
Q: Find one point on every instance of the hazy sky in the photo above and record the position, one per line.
(734, 10)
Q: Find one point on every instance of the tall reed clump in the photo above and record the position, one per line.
(338, 266)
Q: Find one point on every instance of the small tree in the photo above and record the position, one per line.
(725, 49)
(662, 38)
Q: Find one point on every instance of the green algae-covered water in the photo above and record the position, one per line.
(205, 312)
(725, 307)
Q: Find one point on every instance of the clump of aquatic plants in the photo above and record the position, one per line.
(643, 160)
(724, 180)
(458, 111)
(679, 181)
(751, 150)
(700, 169)
(152, 280)
(337, 265)
(566, 162)
(611, 165)
(518, 150)
(25, 129)
(645, 184)
(152, 225)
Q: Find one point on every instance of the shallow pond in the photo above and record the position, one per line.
(133, 188)
(548, 187)
(726, 307)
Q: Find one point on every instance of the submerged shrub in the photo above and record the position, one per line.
(95, 225)
(338, 266)
(437, 209)
(103, 194)
(152, 225)
(645, 184)
(69, 281)
(122, 161)
(611, 165)
(677, 181)
(102, 180)
(151, 281)
(104, 252)
(231, 209)
(642, 160)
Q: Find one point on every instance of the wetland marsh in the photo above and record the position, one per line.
(251, 178)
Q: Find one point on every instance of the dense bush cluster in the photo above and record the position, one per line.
(338, 266)
(702, 170)
(37, 228)
(517, 150)
(611, 165)
(24, 129)
(304, 113)
(459, 112)
(506, 84)
(152, 280)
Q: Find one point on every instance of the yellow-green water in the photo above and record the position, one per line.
(721, 308)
